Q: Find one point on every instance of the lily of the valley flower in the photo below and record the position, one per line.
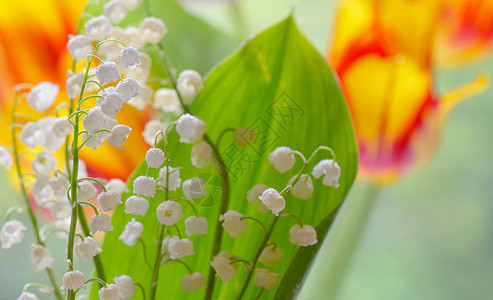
(86, 249)
(27, 296)
(152, 30)
(201, 155)
(282, 159)
(273, 200)
(196, 225)
(190, 128)
(132, 232)
(180, 248)
(271, 255)
(136, 205)
(303, 235)
(223, 268)
(130, 57)
(189, 84)
(41, 258)
(42, 96)
(154, 158)
(110, 292)
(73, 280)
(145, 186)
(126, 285)
(169, 212)
(194, 188)
(265, 279)
(192, 282)
(109, 200)
(232, 223)
(303, 188)
(107, 72)
(12, 233)
(99, 223)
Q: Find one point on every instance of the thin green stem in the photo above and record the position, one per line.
(259, 293)
(102, 282)
(95, 180)
(142, 289)
(37, 285)
(89, 204)
(181, 262)
(256, 220)
(145, 253)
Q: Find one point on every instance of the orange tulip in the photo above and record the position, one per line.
(382, 52)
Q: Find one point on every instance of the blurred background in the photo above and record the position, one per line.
(429, 234)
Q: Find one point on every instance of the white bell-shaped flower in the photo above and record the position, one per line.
(128, 88)
(86, 249)
(62, 209)
(118, 135)
(330, 169)
(223, 268)
(94, 120)
(44, 163)
(62, 127)
(201, 155)
(145, 186)
(109, 200)
(126, 285)
(232, 223)
(41, 258)
(180, 248)
(73, 280)
(193, 282)
(194, 188)
(265, 279)
(74, 84)
(151, 129)
(6, 159)
(273, 200)
(282, 159)
(141, 100)
(303, 188)
(255, 192)
(189, 84)
(27, 296)
(112, 104)
(152, 30)
(271, 255)
(131, 4)
(98, 28)
(86, 191)
(42, 96)
(100, 223)
(136, 205)
(79, 46)
(173, 178)
(167, 100)
(12, 233)
(30, 134)
(132, 232)
(95, 141)
(110, 292)
(164, 247)
(107, 72)
(42, 191)
(169, 212)
(303, 235)
(190, 128)
(117, 184)
(114, 11)
(154, 158)
(130, 57)
(196, 225)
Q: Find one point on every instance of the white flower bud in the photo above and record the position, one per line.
(107, 72)
(154, 158)
(86, 249)
(86, 191)
(144, 185)
(265, 279)
(273, 201)
(330, 169)
(118, 135)
(44, 163)
(42, 191)
(196, 225)
(99, 223)
(180, 248)
(189, 84)
(255, 192)
(79, 46)
(73, 280)
(130, 57)
(173, 178)
(6, 159)
(130, 4)
(303, 188)
(109, 200)
(151, 129)
(62, 209)
(164, 248)
(110, 292)
(74, 85)
(117, 184)
(12, 233)
(41, 258)
(126, 285)
(167, 100)
(27, 296)
(114, 11)
(232, 223)
(190, 129)
(271, 255)
(133, 230)
(282, 159)
(62, 127)
(136, 205)
(223, 268)
(112, 104)
(94, 120)
(42, 96)
(128, 88)
(303, 236)
(152, 30)
(169, 212)
(29, 134)
(194, 188)
(192, 282)
(201, 155)
(98, 28)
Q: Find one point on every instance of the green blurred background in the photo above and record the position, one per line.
(429, 236)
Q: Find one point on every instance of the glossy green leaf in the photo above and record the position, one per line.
(283, 90)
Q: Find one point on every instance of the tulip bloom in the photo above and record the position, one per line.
(385, 68)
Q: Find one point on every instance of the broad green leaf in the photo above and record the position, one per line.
(282, 89)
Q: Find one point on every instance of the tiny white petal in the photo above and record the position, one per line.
(133, 230)
(112, 104)
(330, 169)
(118, 135)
